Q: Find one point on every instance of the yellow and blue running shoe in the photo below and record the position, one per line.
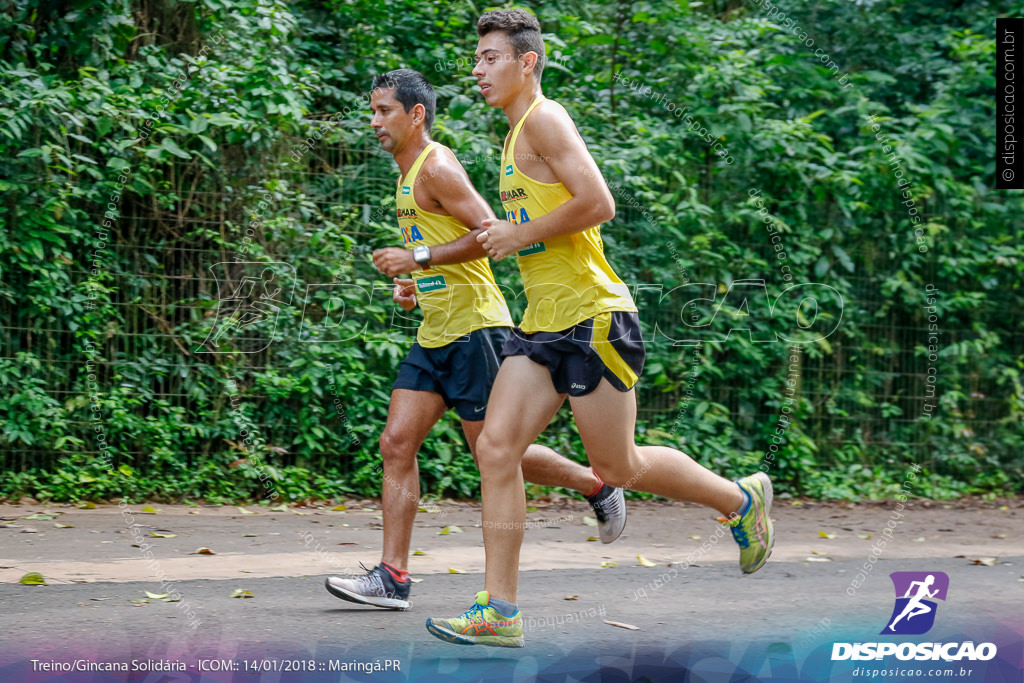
(481, 624)
(753, 528)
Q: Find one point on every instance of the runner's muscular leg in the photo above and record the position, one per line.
(521, 405)
(411, 416)
(543, 465)
(606, 419)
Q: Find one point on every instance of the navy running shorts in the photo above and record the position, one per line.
(462, 372)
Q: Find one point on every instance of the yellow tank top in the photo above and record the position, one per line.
(567, 278)
(455, 299)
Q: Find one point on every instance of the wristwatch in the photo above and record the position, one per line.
(421, 255)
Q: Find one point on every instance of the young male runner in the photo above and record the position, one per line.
(465, 323)
(580, 335)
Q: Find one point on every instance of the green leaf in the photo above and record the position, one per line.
(172, 147)
(33, 579)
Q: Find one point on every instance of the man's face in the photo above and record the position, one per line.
(390, 123)
(498, 71)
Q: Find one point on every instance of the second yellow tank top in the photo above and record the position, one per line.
(567, 278)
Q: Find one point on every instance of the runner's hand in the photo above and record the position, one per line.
(404, 294)
(394, 261)
(499, 238)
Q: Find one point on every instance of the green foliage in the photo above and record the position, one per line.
(104, 337)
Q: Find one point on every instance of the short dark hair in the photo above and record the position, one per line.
(411, 88)
(522, 29)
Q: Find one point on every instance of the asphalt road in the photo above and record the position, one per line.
(701, 623)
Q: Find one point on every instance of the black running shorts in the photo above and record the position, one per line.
(608, 345)
(462, 372)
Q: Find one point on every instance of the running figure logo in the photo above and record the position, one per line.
(914, 612)
(248, 311)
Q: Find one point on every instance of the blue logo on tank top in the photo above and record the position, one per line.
(508, 170)
(405, 189)
(411, 234)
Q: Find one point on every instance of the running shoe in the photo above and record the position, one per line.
(753, 529)
(609, 505)
(379, 587)
(481, 624)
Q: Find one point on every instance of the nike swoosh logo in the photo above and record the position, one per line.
(477, 410)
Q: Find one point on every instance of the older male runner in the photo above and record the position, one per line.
(465, 323)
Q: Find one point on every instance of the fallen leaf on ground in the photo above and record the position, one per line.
(449, 530)
(608, 563)
(33, 579)
(246, 512)
(280, 508)
(418, 553)
(865, 536)
(415, 580)
(571, 597)
(644, 561)
(29, 530)
(248, 535)
(85, 505)
(531, 509)
(818, 559)
(62, 526)
(161, 535)
(148, 510)
(240, 593)
(589, 521)
(204, 551)
(985, 561)
(156, 596)
(39, 516)
(139, 602)
(695, 537)
(826, 535)
(452, 570)
(338, 508)
(99, 599)
(619, 624)
(592, 538)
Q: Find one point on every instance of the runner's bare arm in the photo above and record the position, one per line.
(553, 137)
(448, 188)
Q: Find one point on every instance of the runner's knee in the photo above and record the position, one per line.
(397, 450)
(494, 456)
(623, 472)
